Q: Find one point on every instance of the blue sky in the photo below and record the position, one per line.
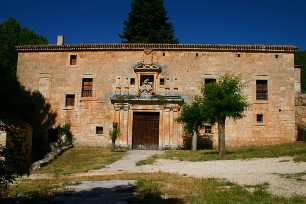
(281, 22)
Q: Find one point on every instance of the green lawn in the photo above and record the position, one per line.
(296, 150)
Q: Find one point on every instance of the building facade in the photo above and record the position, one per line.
(141, 87)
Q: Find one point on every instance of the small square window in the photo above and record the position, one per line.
(162, 81)
(259, 118)
(99, 130)
(132, 81)
(207, 128)
(70, 98)
(208, 81)
(73, 59)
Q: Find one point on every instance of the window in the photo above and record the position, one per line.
(162, 81)
(261, 90)
(259, 118)
(208, 80)
(207, 128)
(73, 59)
(87, 87)
(132, 81)
(99, 130)
(70, 99)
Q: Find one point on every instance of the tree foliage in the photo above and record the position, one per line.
(300, 59)
(148, 23)
(192, 116)
(218, 101)
(16, 104)
(221, 100)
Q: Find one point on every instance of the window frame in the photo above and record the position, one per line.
(73, 60)
(210, 80)
(87, 87)
(99, 130)
(262, 90)
(70, 100)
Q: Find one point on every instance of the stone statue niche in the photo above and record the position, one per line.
(146, 88)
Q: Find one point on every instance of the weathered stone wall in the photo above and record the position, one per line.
(183, 71)
(300, 102)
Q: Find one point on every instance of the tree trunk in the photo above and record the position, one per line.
(221, 137)
(194, 138)
(113, 145)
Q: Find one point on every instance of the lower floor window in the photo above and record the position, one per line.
(70, 99)
(207, 128)
(99, 130)
(259, 118)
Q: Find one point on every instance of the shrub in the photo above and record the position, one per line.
(203, 141)
(66, 132)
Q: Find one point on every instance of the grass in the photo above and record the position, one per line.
(154, 188)
(297, 176)
(296, 149)
(77, 160)
(147, 161)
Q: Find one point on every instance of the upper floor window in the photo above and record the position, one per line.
(87, 84)
(261, 90)
(132, 81)
(73, 59)
(162, 81)
(70, 98)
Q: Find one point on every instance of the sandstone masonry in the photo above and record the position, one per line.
(141, 87)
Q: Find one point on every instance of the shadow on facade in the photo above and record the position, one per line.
(43, 118)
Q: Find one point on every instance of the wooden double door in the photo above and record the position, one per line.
(145, 130)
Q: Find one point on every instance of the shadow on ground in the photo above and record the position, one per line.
(129, 194)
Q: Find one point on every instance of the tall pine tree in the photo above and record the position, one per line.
(148, 23)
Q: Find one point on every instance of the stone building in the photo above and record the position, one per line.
(141, 87)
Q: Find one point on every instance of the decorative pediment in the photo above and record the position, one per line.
(143, 67)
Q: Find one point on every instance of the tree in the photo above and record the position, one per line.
(15, 103)
(147, 23)
(114, 134)
(221, 100)
(192, 116)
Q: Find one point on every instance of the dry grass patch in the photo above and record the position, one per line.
(154, 188)
(77, 160)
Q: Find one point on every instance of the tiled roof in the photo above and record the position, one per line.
(142, 46)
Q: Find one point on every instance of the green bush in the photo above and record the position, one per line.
(204, 142)
(66, 130)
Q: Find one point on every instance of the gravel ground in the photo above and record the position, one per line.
(243, 172)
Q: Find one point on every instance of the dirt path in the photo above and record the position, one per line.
(243, 172)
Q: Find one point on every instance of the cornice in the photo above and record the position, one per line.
(163, 47)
